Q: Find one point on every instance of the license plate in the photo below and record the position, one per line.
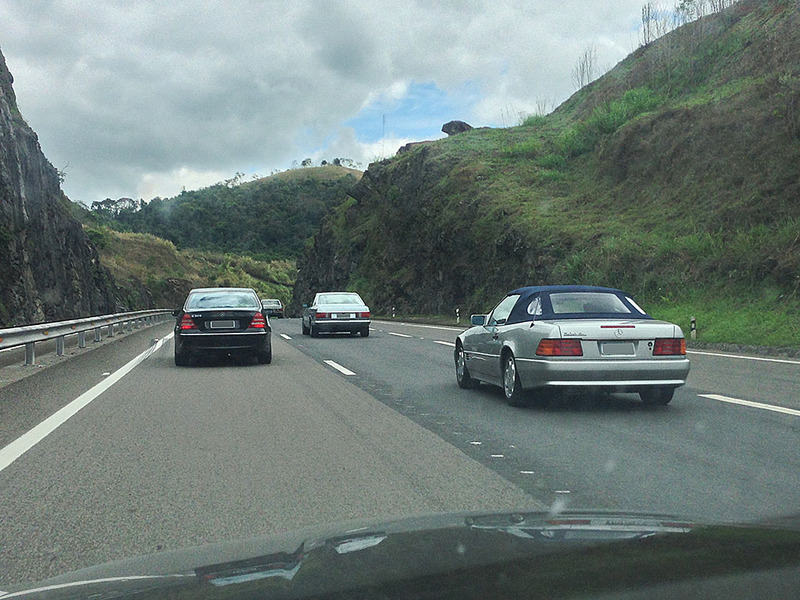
(617, 349)
(343, 316)
(222, 324)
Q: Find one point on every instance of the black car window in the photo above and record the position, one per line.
(501, 311)
(222, 300)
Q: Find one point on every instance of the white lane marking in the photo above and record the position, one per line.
(778, 409)
(759, 358)
(451, 344)
(528, 472)
(425, 326)
(286, 337)
(338, 367)
(28, 440)
(402, 335)
(498, 456)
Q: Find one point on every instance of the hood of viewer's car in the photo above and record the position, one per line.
(464, 555)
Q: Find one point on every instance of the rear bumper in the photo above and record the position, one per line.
(230, 343)
(619, 375)
(340, 325)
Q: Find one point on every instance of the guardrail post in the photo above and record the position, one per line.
(97, 335)
(111, 330)
(30, 353)
(60, 345)
(81, 339)
(137, 324)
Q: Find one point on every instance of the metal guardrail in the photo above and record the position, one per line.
(29, 335)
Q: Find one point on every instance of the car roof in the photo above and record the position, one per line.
(519, 315)
(534, 289)
(221, 289)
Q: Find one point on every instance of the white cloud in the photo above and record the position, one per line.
(136, 96)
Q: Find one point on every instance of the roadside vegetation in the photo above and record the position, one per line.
(673, 176)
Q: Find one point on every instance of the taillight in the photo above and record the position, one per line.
(323, 315)
(258, 322)
(363, 315)
(669, 347)
(559, 348)
(187, 323)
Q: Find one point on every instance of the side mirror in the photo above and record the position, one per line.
(478, 319)
(305, 305)
(175, 313)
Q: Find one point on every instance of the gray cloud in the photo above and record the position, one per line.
(141, 98)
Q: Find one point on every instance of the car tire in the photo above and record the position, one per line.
(365, 332)
(463, 378)
(303, 325)
(512, 388)
(181, 359)
(314, 331)
(657, 396)
(265, 357)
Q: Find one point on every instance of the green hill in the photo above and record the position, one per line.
(270, 217)
(675, 176)
(229, 234)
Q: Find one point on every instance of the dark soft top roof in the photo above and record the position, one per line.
(519, 314)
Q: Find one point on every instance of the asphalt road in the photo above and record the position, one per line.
(167, 457)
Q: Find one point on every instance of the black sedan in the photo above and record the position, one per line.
(223, 322)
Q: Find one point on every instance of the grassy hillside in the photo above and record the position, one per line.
(675, 176)
(150, 271)
(268, 218)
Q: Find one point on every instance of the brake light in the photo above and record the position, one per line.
(559, 348)
(187, 323)
(258, 322)
(669, 347)
(363, 315)
(323, 315)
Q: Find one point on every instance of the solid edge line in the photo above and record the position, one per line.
(774, 360)
(28, 440)
(338, 367)
(778, 409)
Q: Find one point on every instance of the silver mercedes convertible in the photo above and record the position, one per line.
(559, 337)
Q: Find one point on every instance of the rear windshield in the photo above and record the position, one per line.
(587, 303)
(222, 300)
(340, 299)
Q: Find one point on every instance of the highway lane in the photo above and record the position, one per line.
(697, 456)
(169, 457)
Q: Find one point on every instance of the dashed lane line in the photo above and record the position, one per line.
(338, 367)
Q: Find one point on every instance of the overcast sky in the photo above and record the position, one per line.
(141, 98)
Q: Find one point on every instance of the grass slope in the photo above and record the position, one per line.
(674, 176)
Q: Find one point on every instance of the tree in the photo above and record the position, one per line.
(584, 72)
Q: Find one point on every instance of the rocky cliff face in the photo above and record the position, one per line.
(48, 267)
